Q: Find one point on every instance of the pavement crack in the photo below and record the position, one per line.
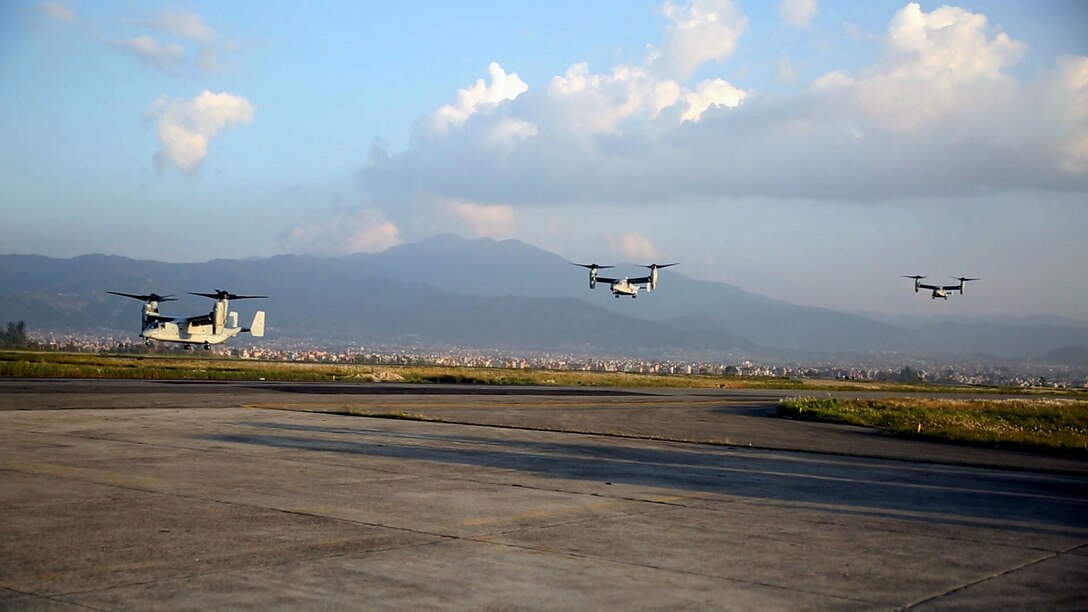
(55, 598)
(982, 580)
(671, 570)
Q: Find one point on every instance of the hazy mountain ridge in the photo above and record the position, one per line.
(497, 294)
(919, 322)
(511, 267)
(330, 299)
(1066, 356)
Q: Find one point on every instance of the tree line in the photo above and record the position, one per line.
(14, 336)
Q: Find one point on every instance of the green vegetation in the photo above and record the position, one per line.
(49, 364)
(1029, 423)
(1056, 424)
(28, 364)
(14, 336)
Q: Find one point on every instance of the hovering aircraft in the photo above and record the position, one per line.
(215, 327)
(940, 291)
(624, 286)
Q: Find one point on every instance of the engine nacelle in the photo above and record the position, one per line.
(592, 283)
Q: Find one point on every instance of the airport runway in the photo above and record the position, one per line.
(168, 495)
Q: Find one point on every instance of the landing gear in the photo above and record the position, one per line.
(147, 342)
(207, 347)
(188, 347)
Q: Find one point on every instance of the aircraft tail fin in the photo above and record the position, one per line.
(256, 329)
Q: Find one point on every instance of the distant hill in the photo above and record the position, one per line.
(496, 294)
(489, 267)
(330, 299)
(919, 322)
(1075, 356)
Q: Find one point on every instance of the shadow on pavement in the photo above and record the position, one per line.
(1041, 503)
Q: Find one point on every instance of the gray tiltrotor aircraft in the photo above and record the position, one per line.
(624, 286)
(215, 327)
(940, 291)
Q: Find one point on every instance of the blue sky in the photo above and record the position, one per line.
(807, 150)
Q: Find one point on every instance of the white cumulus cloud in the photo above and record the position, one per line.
(486, 220)
(510, 132)
(166, 56)
(938, 113)
(1072, 88)
(178, 42)
(798, 13)
(700, 31)
(374, 238)
(184, 24)
(481, 94)
(363, 230)
(711, 93)
(935, 64)
(633, 246)
(186, 127)
(58, 11)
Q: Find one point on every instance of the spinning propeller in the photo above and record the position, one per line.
(592, 266)
(593, 269)
(915, 277)
(226, 295)
(658, 266)
(151, 297)
(963, 280)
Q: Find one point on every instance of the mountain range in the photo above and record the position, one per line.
(484, 293)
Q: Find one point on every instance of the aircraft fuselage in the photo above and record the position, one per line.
(187, 333)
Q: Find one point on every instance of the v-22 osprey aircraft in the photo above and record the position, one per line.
(940, 291)
(216, 327)
(624, 286)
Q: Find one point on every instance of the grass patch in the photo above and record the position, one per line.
(1055, 424)
(48, 364)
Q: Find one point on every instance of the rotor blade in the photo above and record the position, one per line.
(659, 266)
(592, 265)
(151, 297)
(226, 295)
(915, 277)
(962, 279)
(129, 295)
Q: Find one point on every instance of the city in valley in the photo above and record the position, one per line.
(887, 367)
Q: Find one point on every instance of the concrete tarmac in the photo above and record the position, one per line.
(167, 495)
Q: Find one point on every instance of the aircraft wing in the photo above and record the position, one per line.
(604, 279)
(951, 287)
(936, 287)
(200, 320)
(155, 317)
(639, 279)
